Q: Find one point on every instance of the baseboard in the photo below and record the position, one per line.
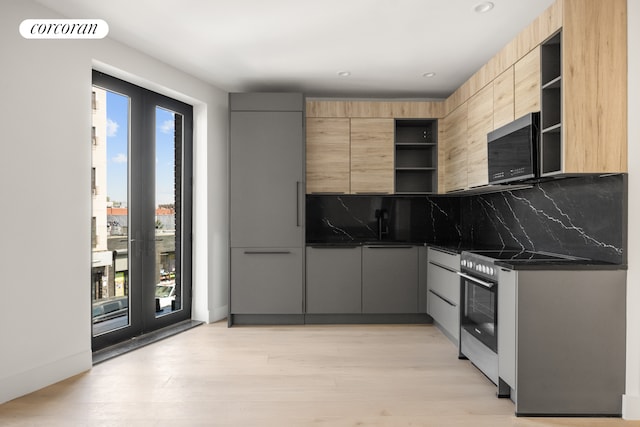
(26, 382)
(630, 407)
(219, 313)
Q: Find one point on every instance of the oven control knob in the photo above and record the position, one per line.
(463, 262)
(491, 271)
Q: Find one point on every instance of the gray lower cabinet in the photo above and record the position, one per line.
(561, 341)
(266, 280)
(443, 291)
(390, 279)
(334, 280)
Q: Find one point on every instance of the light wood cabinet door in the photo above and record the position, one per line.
(328, 157)
(503, 99)
(479, 122)
(455, 149)
(594, 84)
(527, 84)
(372, 156)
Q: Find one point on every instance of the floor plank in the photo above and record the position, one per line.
(328, 375)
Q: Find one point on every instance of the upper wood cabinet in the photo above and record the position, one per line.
(479, 123)
(527, 84)
(454, 147)
(503, 99)
(372, 156)
(328, 155)
(594, 86)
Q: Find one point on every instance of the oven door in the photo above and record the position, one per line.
(479, 314)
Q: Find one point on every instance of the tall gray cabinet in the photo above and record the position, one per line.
(266, 135)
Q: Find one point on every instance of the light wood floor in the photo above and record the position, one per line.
(282, 376)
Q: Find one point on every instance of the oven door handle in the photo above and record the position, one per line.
(487, 285)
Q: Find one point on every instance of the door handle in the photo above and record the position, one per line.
(297, 203)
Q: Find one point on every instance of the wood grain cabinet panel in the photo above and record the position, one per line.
(454, 146)
(480, 122)
(503, 99)
(328, 157)
(594, 84)
(527, 84)
(372, 157)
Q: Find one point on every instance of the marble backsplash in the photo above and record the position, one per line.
(582, 216)
(351, 219)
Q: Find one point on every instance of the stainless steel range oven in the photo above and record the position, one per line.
(479, 303)
(479, 312)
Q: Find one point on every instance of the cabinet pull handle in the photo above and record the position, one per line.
(389, 247)
(297, 203)
(335, 247)
(267, 252)
(373, 193)
(442, 298)
(443, 267)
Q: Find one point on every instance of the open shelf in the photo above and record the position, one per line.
(551, 105)
(416, 156)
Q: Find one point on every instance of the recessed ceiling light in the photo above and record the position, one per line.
(429, 74)
(344, 73)
(484, 7)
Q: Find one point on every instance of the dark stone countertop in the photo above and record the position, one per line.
(577, 264)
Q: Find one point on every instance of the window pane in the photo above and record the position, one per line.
(168, 293)
(109, 175)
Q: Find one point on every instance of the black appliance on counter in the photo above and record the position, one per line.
(512, 150)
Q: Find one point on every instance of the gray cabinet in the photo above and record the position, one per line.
(390, 279)
(266, 280)
(266, 168)
(266, 175)
(561, 340)
(443, 292)
(334, 280)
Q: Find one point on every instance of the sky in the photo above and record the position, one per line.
(118, 151)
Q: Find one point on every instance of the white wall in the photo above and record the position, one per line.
(45, 158)
(631, 400)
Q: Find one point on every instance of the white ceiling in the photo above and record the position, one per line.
(301, 45)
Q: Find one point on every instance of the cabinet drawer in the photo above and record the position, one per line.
(445, 283)
(445, 259)
(445, 314)
(266, 280)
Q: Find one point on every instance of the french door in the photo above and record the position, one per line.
(141, 211)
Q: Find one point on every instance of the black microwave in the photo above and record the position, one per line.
(512, 150)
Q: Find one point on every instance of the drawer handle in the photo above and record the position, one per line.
(389, 247)
(443, 267)
(267, 252)
(443, 298)
(335, 247)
